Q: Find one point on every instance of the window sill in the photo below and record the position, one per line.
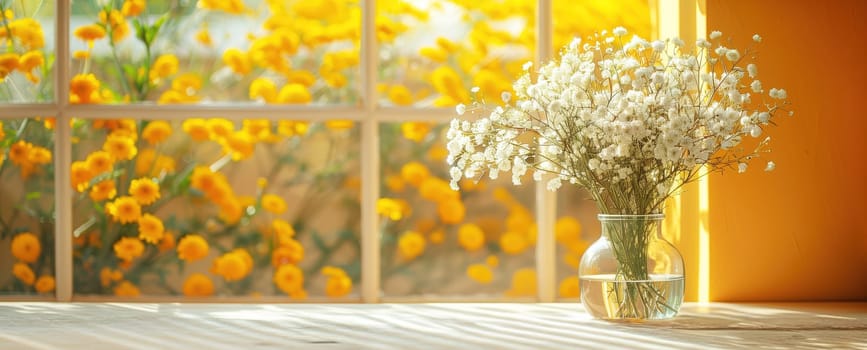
(92, 326)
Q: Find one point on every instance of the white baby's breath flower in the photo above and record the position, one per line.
(619, 31)
(658, 45)
(461, 109)
(527, 65)
(752, 70)
(715, 34)
(757, 38)
(506, 96)
(771, 166)
(733, 55)
(474, 89)
(742, 168)
(756, 86)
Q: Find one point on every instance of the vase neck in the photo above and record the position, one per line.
(619, 227)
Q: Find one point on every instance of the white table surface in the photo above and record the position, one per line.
(92, 326)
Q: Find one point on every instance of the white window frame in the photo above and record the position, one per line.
(368, 114)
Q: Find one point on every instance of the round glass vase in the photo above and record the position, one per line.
(631, 272)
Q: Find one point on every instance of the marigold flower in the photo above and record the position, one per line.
(164, 66)
(156, 131)
(289, 279)
(126, 289)
(81, 54)
(415, 131)
(29, 33)
(273, 204)
(513, 243)
(198, 285)
(451, 211)
(19, 152)
(108, 275)
(263, 88)
(238, 61)
(523, 283)
(390, 208)
(44, 284)
(23, 273)
(128, 248)
(168, 241)
(125, 210)
(89, 33)
(291, 128)
(150, 228)
(132, 8)
(447, 82)
(229, 6)
(411, 244)
(480, 273)
(148, 162)
(239, 144)
(219, 128)
(567, 229)
(30, 61)
(192, 247)
(120, 147)
(117, 23)
(414, 173)
(569, 287)
(26, 247)
(234, 265)
(338, 283)
(80, 175)
(144, 190)
(339, 124)
(84, 88)
(103, 190)
(289, 252)
(294, 93)
(282, 230)
(471, 237)
(99, 162)
(197, 128)
(302, 77)
(437, 190)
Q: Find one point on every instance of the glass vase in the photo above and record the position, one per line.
(631, 272)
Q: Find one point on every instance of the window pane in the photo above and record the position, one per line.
(571, 20)
(27, 206)
(433, 52)
(26, 51)
(295, 52)
(211, 207)
(576, 226)
(478, 241)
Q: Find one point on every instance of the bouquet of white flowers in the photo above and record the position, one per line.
(630, 120)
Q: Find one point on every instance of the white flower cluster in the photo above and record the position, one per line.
(630, 120)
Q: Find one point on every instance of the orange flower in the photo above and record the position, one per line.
(294, 93)
(400, 95)
(132, 8)
(168, 241)
(415, 131)
(84, 88)
(120, 146)
(471, 237)
(44, 284)
(197, 128)
(164, 66)
(150, 228)
(290, 251)
(513, 243)
(274, 204)
(570, 287)
(451, 211)
(124, 210)
(26, 247)
(80, 176)
(289, 278)
(23, 273)
(107, 275)
(90, 32)
(19, 152)
(480, 273)
(414, 173)
(411, 244)
(116, 21)
(338, 283)
(198, 285)
(523, 283)
(192, 247)
(128, 248)
(219, 128)
(234, 265)
(156, 131)
(144, 190)
(103, 190)
(126, 289)
(99, 162)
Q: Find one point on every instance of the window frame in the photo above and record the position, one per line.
(368, 113)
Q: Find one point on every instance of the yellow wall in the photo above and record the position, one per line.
(800, 232)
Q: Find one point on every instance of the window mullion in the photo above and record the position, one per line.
(62, 157)
(546, 201)
(370, 250)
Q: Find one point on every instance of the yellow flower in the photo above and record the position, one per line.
(150, 163)
(205, 180)
(19, 152)
(8, 63)
(23, 273)
(99, 162)
(144, 190)
(150, 228)
(283, 230)
(233, 265)
(30, 61)
(480, 273)
(447, 82)
(263, 88)
(156, 131)
(238, 61)
(513, 243)
(192, 247)
(132, 8)
(434, 54)
(90, 32)
(391, 208)
(291, 128)
(103, 190)
(289, 278)
(128, 248)
(124, 210)
(126, 289)
(523, 283)
(81, 54)
(290, 251)
(107, 275)
(164, 66)
(219, 128)
(438, 153)
(274, 204)
(44, 284)
(570, 287)
(471, 237)
(120, 147)
(415, 131)
(492, 261)
(187, 83)
(339, 124)
(204, 37)
(26, 247)
(117, 23)
(294, 93)
(197, 128)
(437, 190)
(491, 85)
(258, 129)
(567, 229)
(302, 77)
(338, 283)
(239, 144)
(198, 285)
(411, 244)
(80, 176)
(414, 173)
(229, 6)
(451, 211)
(29, 33)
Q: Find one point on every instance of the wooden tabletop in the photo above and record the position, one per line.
(92, 326)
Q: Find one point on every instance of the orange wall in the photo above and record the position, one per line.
(800, 232)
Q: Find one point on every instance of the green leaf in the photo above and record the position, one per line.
(33, 195)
